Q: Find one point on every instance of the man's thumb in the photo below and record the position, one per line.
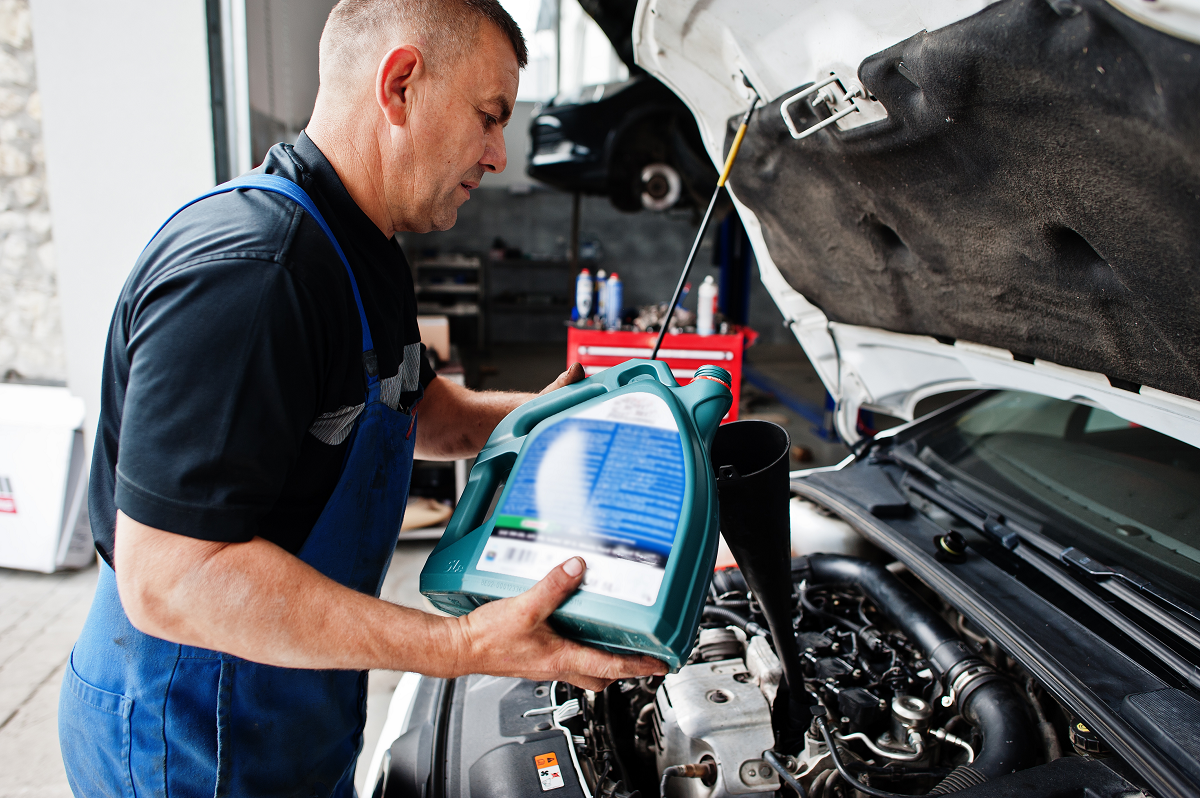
(555, 587)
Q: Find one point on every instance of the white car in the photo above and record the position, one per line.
(1001, 199)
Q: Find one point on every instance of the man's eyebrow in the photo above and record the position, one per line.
(505, 108)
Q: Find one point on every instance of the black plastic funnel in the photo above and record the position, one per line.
(750, 459)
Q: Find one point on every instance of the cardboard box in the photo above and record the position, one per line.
(435, 334)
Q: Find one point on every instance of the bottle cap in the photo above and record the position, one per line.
(714, 373)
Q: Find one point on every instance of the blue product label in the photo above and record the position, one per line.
(606, 484)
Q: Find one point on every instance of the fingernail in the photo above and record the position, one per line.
(574, 566)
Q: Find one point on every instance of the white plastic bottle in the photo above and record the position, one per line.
(706, 306)
(601, 302)
(583, 294)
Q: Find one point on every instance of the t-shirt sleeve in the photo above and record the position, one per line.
(427, 372)
(223, 383)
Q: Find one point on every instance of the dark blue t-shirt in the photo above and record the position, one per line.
(233, 369)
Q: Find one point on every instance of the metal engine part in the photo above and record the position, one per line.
(714, 711)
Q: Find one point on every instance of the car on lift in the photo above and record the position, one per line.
(633, 141)
(999, 202)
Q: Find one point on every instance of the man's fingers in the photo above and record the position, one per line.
(588, 683)
(572, 375)
(554, 588)
(596, 664)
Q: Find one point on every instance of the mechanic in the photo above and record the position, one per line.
(264, 394)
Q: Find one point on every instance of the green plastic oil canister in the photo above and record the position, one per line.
(615, 469)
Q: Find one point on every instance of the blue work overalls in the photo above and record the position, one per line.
(141, 716)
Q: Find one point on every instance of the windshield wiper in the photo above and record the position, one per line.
(1034, 548)
(1126, 585)
(1118, 580)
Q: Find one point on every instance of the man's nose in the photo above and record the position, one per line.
(495, 157)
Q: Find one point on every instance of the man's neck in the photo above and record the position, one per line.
(354, 155)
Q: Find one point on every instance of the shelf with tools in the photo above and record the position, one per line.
(528, 299)
(453, 286)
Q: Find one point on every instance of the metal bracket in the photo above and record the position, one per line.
(842, 98)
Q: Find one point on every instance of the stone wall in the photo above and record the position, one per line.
(31, 340)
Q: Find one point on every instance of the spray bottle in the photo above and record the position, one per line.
(706, 307)
(601, 296)
(614, 302)
(583, 295)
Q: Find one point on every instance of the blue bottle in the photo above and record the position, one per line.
(615, 469)
(614, 303)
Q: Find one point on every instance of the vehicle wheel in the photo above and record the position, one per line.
(661, 187)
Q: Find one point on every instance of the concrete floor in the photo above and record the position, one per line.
(41, 614)
(41, 618)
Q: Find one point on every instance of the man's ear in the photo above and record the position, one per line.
(398, 71)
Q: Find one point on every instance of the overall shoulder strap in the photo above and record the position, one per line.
(281, 185)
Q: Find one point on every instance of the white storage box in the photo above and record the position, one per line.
(43, 480)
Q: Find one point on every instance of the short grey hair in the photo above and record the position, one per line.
(444, 29)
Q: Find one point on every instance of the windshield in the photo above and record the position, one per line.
(1122, 493)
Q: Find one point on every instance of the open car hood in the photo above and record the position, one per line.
(1012, 202)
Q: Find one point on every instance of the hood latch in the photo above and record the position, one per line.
(848, 103)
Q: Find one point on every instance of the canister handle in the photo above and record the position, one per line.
(486, 476)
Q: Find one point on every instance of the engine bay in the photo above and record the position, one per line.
(901, 696)
(895, 714)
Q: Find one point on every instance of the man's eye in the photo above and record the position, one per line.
(490, 120)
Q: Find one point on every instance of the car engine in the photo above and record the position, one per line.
(913, 720)
(822, 676)
(901, 696)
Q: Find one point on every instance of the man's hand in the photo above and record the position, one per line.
(511, 637)
(571, 375)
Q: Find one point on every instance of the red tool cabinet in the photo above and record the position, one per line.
(597, 350)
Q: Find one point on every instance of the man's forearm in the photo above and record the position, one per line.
(455, 422)
(256, 601)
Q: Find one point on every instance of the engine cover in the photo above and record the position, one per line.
(714, 711)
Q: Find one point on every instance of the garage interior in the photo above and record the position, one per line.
(496, 294)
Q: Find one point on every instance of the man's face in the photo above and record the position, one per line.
(456, 133)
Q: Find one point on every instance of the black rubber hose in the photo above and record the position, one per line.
(992, 705)
(1000, 714)
(923, 627)
(729, 616)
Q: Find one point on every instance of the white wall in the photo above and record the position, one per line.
(128, 137)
